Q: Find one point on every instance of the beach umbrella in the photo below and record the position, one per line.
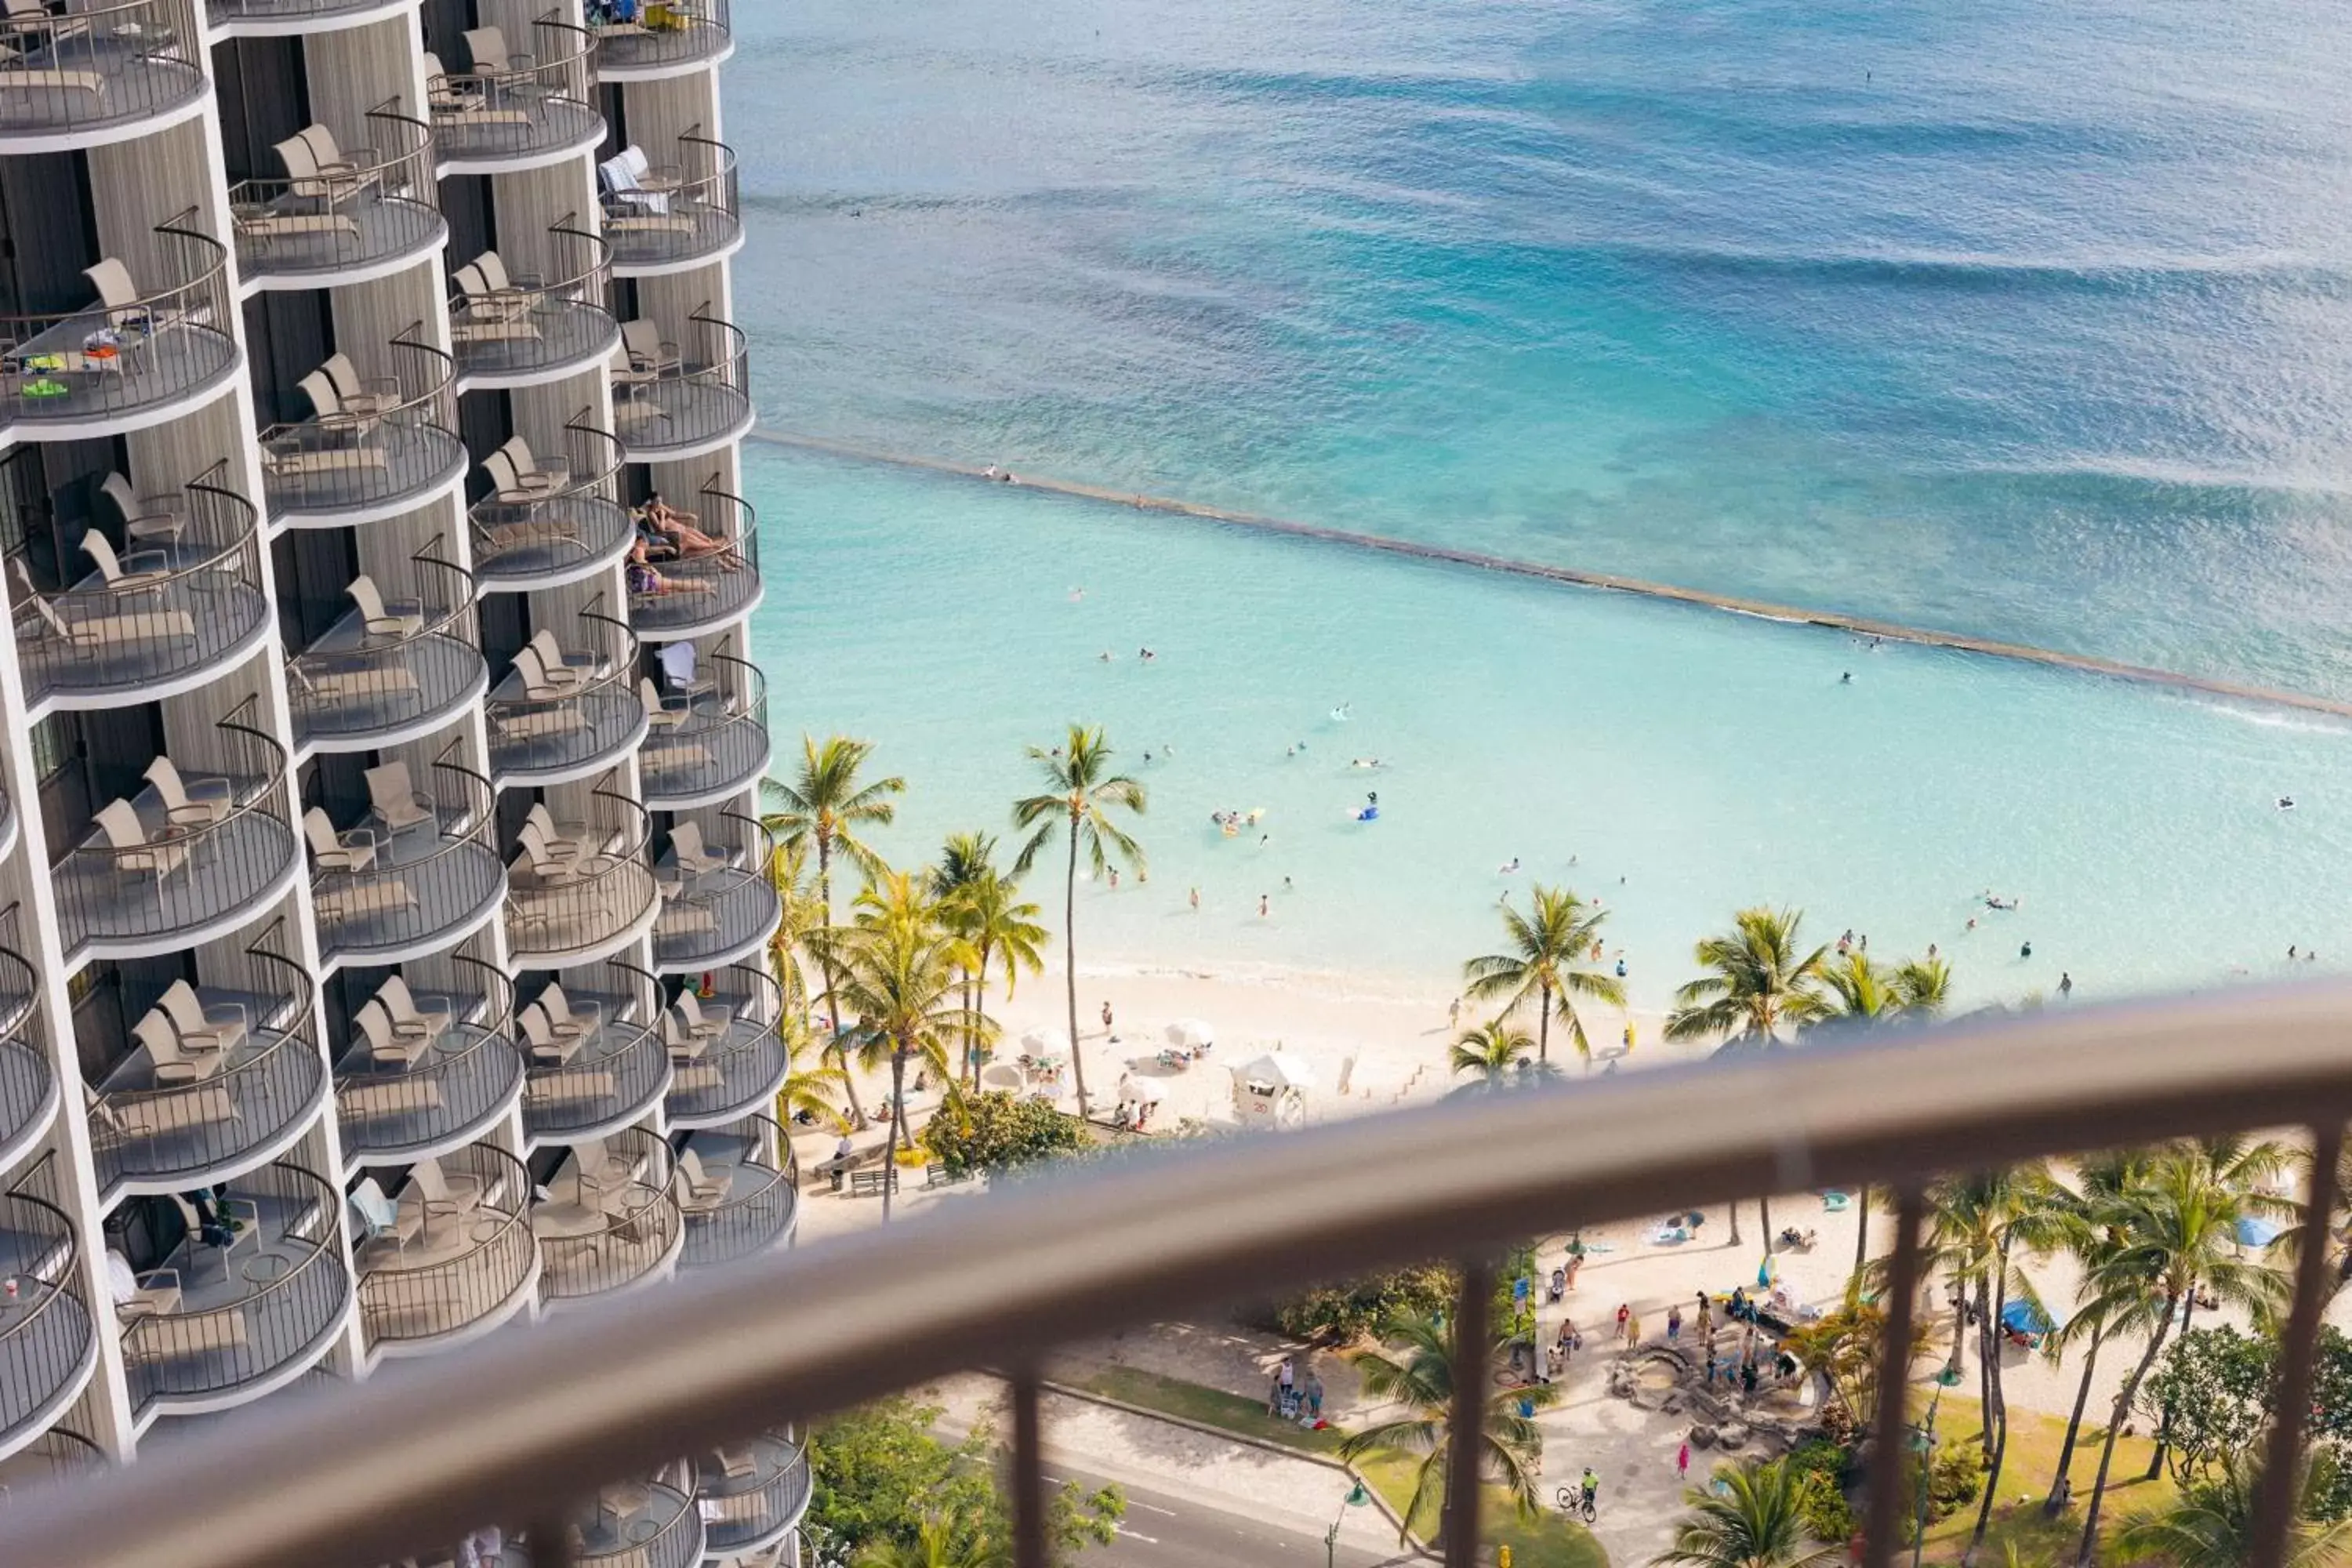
(1046, 1042)
(2256, 1231)
(1000, 1075)
(1190, 1034)
(1144, 1091)
(2022, 1317)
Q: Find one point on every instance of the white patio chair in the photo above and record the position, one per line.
(353, 850)
(191, 803)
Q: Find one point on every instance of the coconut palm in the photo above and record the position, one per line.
(827, 807)
(1493, 1055)
(2096, 1241)
(1544, 967)
(1856, 994)
(984, 907)
(812, 1092)
(1924, 985)
(1762, 982)
(1413, 1366)
(2339, 1239)
(2212, 1525)
(1083, 793)
(938, 1544)
(1756, 1520)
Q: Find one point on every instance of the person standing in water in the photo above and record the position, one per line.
(1260, 906)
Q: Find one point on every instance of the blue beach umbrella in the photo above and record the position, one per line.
(2256, 1231)
(2023, 1317)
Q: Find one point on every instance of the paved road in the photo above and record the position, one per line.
(1163, 1532)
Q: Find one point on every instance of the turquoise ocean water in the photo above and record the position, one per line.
(2026, 321)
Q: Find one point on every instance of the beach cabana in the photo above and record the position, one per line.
(1272, 1091)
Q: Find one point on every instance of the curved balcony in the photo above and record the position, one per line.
(667, 218)
(28, 1089)
(518, 329)
(390, 671)
(99, 74)
(706, 746)
(718, 905)
(727, 1058)
(48, 1344)
(282, 18)
(671, 402)
(751, 1492)
(740, 1199)
(60, 1455)
(429, 1073)
(448, 1267)
(576, 902)
(417, 876)
(378, 446)
(608, 1222)
(218, 1326)
(133, 357)
(557, 522)
(372, 215)
(150, 622)
(640, 1524)
(598, 1067)
(688, 594)
(155, 877)
(218, 1082)
(517, 112)
(690, 38)
(563, 711)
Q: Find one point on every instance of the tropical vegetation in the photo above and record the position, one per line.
(1544, 968)
(1412, 1367)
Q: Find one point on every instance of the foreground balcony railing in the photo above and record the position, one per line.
(609, 1221)
(709, 745)
(425, 1073)
(391, 670)
(143, 350)
(556, 524)
(598, 1057)
(666, 215)
(727, 1054)
(515, 111)
(215, 1325)
(585, 894)
(677, 400)
(718, 904)
(373, 447)
(519, 328)
(47, 1342)
(28, 1089)
(567, 706)
(453, 1258)
(98, 73)
(146, 622)
(344, 214)
(690, 36)
(740, 1192)
(189, 856)
(687, 595)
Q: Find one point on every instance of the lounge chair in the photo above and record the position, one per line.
(386, 1042)
(205, 1025)
(634, 191)
(145, 516)
(326, 679)
(663, 712)
(547, 1047)
(353, 850)
(191, 803)
(709, 1021)
(173, 1059)
(99, 634)
(568, 1018)
(143, 570)
(698, 1190)
(382, 619)
(461, 1193)
(130, 849)
(395, 801)
(693, 855)
(409, 1019)
(543, 684)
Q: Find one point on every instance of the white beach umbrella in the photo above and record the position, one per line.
(1190, 1034)
(1046, 1042)
(1144, 1091)
(1001, 1075)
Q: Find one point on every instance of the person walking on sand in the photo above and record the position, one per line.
(1196, 900)
(1314, 1398)
(1681, 1462)
(1674, 1324)
(1106, 1015)
(1633, 1331)
(1624, 1319)
(1453, 1010)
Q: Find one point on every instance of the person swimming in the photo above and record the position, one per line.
(2286, 803)
(1508, 865)
(1363, 762)
(1340, 715)
(1146, 655)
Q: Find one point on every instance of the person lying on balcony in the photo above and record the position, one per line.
(644, 580)
(666, 522)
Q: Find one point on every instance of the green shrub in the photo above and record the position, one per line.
(1957, 1477)
(1337, 1314)
(997, 1131)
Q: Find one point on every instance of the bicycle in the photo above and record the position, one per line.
(1575, 1504)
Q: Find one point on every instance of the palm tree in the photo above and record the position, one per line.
(938, 1544)
(1924, 985)
(1761, 983)
(1545, 967)
(1859, 995)
(1413, 1366)
(1084, 790)
(2212, 1525)
(1756, 1521)
(1844, 1344)
(812, 1092)
(2339, 1227)
(827, 807)
(1493, 1055)
(896, 970)
(984, 907)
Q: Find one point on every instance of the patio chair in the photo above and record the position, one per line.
(540, 684)
(33, 16)
(143, 570)
(487, 48)
(191, 803)
(515, 482)
(682, 1043)
(381, 1219)
(461, 1192)
(136, 1295)
(174, 1061)
(590, 666)
(356, 169)
(395, 801)
(329, 412)
(409, 1019)
(145, 516)
(130, 848)
(663, 712)
(487, 314)
(632, 188)
(239, 1226)
(205, 1025)
(710, 1020)
(384, 1041)
(648, 355)
(396, 618)
(699, 1191)
(119, 298)
(327, 681)
(357, 394)
(581, 1019)
(500, 288)
(547, 1047)
(566, 839)
(96, 634)
(693, 855)
(353, 851)
(327, 178)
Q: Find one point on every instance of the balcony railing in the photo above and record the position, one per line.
(524, 538)
(609, 1221)
(133, 354)
(535, 108)
(377, 209)
(710, 745)
(689, 36)
(735, 1060)
(688, 595)
(269, 18)
(608, 1074)
(748, 1198)
(48, 1340)
(678, 400)
(170, 609)
(675, 215)
(555, 718)
(751, 1492)
(403, 1094)
(577, 906)
(354, 465)
(641, 1524)
(514, 327)
(59, 1455)
(721, 909)
(188, 1106)
(217, 1321)
(28, 1089)
(369, 681)
(71, 78)
(155, 877)
(394, 889)
(463, 1263)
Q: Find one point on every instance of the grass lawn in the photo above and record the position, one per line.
(2025, 1475)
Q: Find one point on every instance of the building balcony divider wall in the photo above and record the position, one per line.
(707, 745)
(585, 899)
(750, 1493)
(99, 73)
(390, 891)
(150, 878)
(558, 528)
(727, 1058)
(396, 449)
(639, 49)
(28, 1086)
(719, 907)
(678, 213)
(375, 212)
(550, 722)
(607, 1074)
(673, 401)
(447, 1268)
(747, 1199)
(405, 1093)
(517, 114)
(689, 595)
(609, 1221)
(364, 685)
(48, 1338)
(147, 622)
(142, 350)
(228, 1081)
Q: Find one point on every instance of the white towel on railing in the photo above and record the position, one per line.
(623, 172)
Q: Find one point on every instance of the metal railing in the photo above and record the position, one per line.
(379, 204)
(615, 1230)
(683, 38)
(615, 1075)
(179, 878)
(270, 17)
(740, 1512)
(106, 361)
(759, 1205)
(57, 1456)
(652, 1525)
(427, 884)
(560, 731)
(718, 1079)
(711, 745)
(253, 1321)
(92, 67)
(353, 683)
(564, 535)
(176, 607)
(391, 1110)
(680, 212)
(684, 398)
(29, 1088)
(48, 1340)
(536, 326)
(403, 1301)
(542, 103)
(557, 916)
(719, 916)
(701, 593)
(319, 471)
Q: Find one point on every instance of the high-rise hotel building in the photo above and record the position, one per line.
(382, 902)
